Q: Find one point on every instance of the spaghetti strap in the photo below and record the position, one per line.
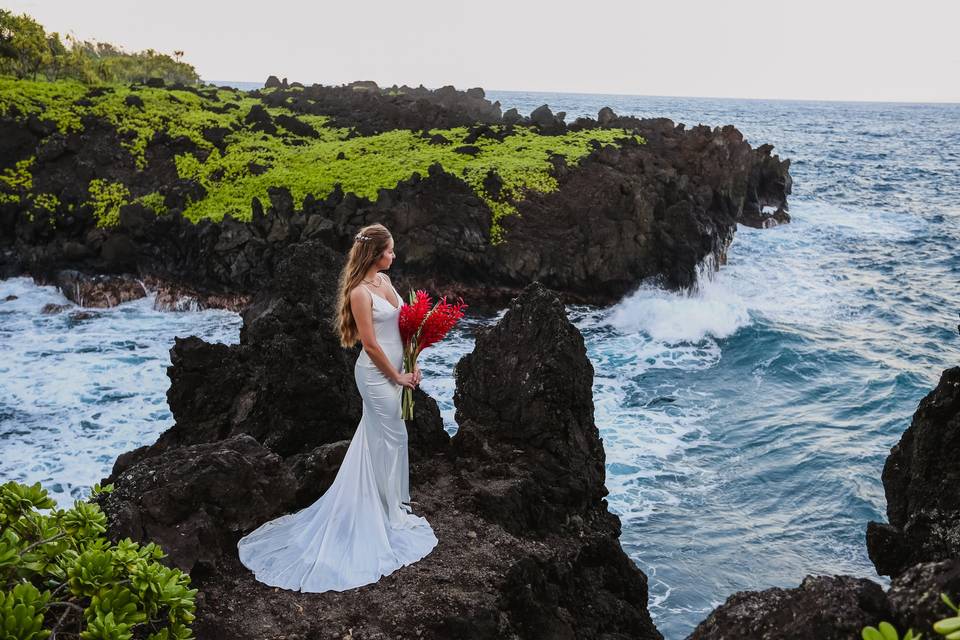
(395, 292)
(368, 291)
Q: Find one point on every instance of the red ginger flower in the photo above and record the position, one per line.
(412, 315)
(420, 327)
(439, 321)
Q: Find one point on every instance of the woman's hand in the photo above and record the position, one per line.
(417, 375)
(406, 380)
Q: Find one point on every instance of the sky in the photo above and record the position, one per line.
(879, 50)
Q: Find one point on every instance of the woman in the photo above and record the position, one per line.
(362, 528)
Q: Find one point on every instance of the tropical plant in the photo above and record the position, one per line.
(886, 631)
(58, 572)
(948, 627)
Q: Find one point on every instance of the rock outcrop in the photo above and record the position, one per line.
(920, 479)
(527, 546)
(821, 608)
(622, 215)
(528, 446)
(368, 109)
(827, 607)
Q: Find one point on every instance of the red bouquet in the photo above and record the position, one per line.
(421, 326)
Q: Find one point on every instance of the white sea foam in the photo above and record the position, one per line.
(671, 318)
(75, 393)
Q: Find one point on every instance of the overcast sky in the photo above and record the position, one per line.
(807, 49)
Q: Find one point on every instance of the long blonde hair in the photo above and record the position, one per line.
(368, 246)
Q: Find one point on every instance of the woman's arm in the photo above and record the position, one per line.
(362, 306)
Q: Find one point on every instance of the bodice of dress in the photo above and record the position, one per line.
(386, 327)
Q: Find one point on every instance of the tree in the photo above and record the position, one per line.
(25, 43)
(58, 55)
(27, 50)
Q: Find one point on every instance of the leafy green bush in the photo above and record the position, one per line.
(948, 627)
(27, 50)
(59, 574)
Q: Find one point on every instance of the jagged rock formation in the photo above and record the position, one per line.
(920, 479)
(530, 451)
(527, 546)
(914, 595)
(367, 109)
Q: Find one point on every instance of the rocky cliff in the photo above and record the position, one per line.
(921, 479)
(200, 192)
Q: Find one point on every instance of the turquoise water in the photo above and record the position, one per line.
(745, 425)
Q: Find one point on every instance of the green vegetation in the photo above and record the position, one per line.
(303, 164)
(154, 202)
(948, 627)
(886, 631)
(175, 112)
(28, 51)
(19, 178)
(377, 162)
(107, 198)
(59, 574)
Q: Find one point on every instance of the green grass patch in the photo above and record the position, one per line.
(379, 162)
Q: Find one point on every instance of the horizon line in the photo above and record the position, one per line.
(643, 95)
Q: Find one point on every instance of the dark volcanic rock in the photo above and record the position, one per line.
(821, 608)
(50, 308)
(194, 501)
(914, 595)
(98, 291)
(920, 479)
(639, 212)
(521, 570)
(368, 109)
(290, 383)
(527, 443)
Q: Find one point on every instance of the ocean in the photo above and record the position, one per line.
(745, 424)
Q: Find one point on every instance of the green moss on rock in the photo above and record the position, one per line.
(19, 178)
(252, 161)
(106, 198)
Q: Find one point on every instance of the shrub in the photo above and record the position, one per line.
(948, 627)
(58, 572)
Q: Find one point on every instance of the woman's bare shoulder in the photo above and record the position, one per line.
(358, 293)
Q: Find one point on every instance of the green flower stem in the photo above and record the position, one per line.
(409, 364)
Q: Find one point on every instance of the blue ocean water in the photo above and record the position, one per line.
(745, 425)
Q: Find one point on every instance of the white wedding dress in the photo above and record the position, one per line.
(362, 528)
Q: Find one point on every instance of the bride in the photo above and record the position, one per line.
(363, 527)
